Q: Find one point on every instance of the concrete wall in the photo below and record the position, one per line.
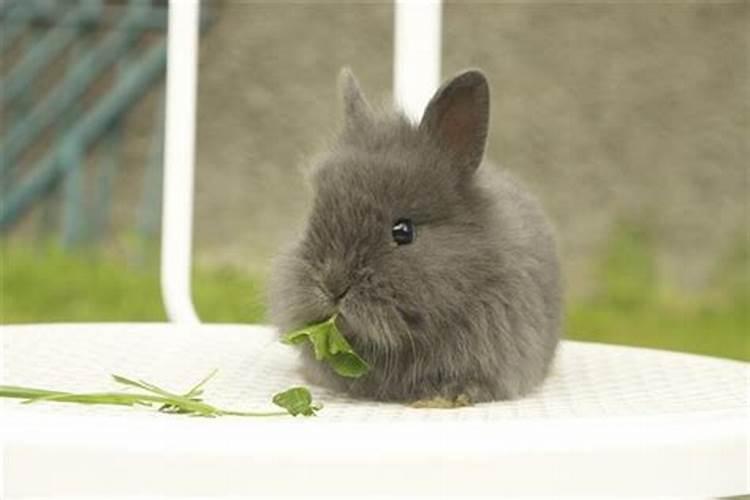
(635, 112)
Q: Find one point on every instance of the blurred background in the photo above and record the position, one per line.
(630, 120)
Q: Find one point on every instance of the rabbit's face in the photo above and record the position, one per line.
(397, 236)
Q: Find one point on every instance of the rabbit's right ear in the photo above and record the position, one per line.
(458, 117)
(356, 108)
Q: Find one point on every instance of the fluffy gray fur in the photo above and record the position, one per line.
(473, 307)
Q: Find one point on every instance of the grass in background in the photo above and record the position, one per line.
(630, 306)
(50, 285)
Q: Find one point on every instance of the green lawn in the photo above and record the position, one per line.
(41, 285)
(630, 307)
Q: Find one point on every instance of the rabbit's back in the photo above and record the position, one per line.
(531, 276)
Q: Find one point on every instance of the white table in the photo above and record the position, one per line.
(609, 420)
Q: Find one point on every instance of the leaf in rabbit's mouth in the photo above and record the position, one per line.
(330, 346)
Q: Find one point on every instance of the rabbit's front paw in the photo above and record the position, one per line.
(459, 401)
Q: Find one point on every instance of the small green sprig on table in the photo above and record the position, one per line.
(328, 344)
(295, 401)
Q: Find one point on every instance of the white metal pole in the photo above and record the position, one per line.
(179, 158)
(416, 62)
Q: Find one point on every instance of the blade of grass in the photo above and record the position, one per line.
(197, 389)
(142, 384)
(92, 399)
(167, 407)
(11, 391)
(252, 414)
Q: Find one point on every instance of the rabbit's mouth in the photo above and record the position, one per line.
(369, 329)
(344, 325)
(357, 333)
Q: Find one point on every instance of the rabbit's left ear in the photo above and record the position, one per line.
(458, 117)
(356, 107)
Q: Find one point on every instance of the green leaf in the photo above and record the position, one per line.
(330, 346)
(297, 401)
(344, 360)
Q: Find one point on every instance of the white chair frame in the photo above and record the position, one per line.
(416, 75)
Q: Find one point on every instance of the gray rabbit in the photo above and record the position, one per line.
(445, 277)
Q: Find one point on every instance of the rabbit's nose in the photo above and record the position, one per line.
(336, 287)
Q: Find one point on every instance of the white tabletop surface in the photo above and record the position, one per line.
(608, 419)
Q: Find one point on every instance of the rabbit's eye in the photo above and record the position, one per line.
(403, 232)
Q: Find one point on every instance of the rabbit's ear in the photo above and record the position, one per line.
(356, 108)
(457, 117)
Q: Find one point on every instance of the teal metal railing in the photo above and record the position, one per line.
(54, 42)
(69, 91)
(48, 134)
